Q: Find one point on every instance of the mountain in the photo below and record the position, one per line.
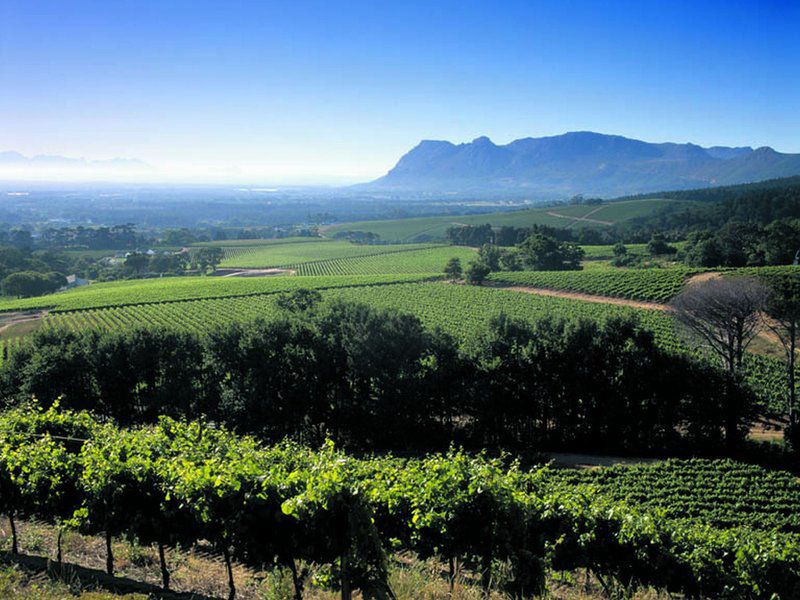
(14, 164)
(582, 162)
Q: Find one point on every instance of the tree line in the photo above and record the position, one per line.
(371, 378)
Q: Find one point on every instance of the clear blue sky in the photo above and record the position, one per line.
(329, 90)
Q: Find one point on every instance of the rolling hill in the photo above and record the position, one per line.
(425, 229)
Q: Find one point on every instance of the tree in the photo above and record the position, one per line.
(658, 245)
(452, 269)
(29, 283)
(476, 272)
(299, 300)
(489, 254)
(207, 256)
(509, 260)
(136, 263)
(783, 309)
(725, 314)
(620, 249)
(545, 253)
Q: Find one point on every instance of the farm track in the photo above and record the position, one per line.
(766, 334)
(9, 320)
(585, 218)
(252, 272)
(585, 297)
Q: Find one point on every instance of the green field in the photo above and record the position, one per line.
(259, 242)
(171, 289)
(426, 260)
(655, 285)
(433, 228)
(461, 310)
(722, 493)
(293, 254)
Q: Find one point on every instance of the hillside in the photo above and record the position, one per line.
(579, 162)
(433, 228)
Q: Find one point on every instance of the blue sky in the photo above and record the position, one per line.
(330, 91)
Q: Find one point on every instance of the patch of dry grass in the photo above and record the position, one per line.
(201, 573)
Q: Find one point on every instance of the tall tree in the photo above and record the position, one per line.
(726, 314)
(783, 309)
(452, 269)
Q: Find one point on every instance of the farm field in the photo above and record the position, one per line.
(260, 242)
(606, 251)
(459, 309)
(169, 289)
(722, 493)
(654, 285)
(724, 547)
(425, 260)
(290, 255)
(433, 228)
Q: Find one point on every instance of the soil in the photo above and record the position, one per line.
(587, 297)
(13, 324)
(701, 277)
(593, 461)
(253, 272)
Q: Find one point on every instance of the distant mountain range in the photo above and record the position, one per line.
(46, 165)
(582, 162)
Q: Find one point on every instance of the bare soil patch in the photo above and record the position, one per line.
(594, 461)
(14, 324)
(586, 297)
(701, 277)
(574, 220)
(253, 272)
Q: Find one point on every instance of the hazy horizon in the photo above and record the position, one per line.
(319, 93)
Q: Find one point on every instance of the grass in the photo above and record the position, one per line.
(291, 255)
(261, 242)
(422, 229)
(200, 574)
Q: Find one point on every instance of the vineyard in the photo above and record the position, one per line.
(461, 310)
(293, 254)
(434, 228)
(178, 483)
(149, 291)
(428, 260)
(722, 493)
(655, 285)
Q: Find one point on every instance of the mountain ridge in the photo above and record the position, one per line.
(9, 158)
(578, 162)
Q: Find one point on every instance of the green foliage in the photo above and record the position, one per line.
(426, 260)
(476, 272)
(658, 245)
(715, 492)
(542, 253)
(299, 300)
(655, 285)
(289, 503)
(453, 270)
(178, 289)
(25, 284)
(311, 251)
(434, 228)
